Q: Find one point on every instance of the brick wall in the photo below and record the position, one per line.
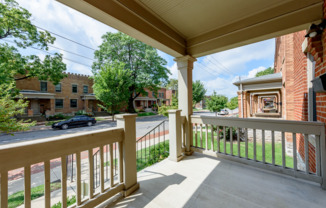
(66, 90)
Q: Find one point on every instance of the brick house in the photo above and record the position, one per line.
(72, 94)
(298, 61)
(75, 93)
(163, 96)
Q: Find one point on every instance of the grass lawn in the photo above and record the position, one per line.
(146, 114)
(268, 149)
(17, 198)
(153, 154)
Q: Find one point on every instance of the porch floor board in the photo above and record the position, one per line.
(203, 181)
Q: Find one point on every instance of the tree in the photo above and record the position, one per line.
(233, 103)
(198, 92)
(9, 108)
(15, 25)
(173, 84)
(111, 86)
(163, 110)
(216, 102)
(269, 70)
(146, 66)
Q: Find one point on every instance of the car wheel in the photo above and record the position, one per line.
(64, 126)
(89, 123)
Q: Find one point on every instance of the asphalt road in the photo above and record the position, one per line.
(143, 125)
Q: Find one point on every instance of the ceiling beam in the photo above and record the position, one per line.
(287, 18)
(132, 19)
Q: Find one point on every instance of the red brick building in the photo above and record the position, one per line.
(75, 93)
(163, 96)
(299, 60)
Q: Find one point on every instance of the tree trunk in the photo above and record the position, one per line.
(215, 113)
(131, 108)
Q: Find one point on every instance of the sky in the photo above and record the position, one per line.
(217, 71)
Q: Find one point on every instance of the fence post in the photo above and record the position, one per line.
(175, 135)
(323, 157)
(128, 122)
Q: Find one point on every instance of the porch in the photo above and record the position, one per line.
(219, 183)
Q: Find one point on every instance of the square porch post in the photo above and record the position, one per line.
(185, 65)
(128, 123)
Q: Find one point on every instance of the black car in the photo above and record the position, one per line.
(75, 122)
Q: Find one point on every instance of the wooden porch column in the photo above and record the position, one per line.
(128, 122)
(175, 135)
(185, 65)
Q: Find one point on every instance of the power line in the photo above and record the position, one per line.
(221, 64)
(61, 36)
(219, 68)
(71, 52)
(205, 68)
(50, 53)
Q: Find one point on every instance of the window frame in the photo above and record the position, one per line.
(55, 104)
(72, 88)
(55, 87)
(84, 89)
(41, 82)
(76, 103)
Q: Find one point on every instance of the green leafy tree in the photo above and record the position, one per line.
(173, 84)
(233, 103)
(163, 110)
(15, 27)
(216, 102)
(15, 24)
(10, 107)
(146, 66)
(111, 86)
(198, 92)
(269, 70)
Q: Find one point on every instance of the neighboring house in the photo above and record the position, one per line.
(72, 94)
(163, 96)
(75, 93)
(202, 104)
(288, 93)
(261, 96)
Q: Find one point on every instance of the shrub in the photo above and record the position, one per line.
(83, 112)
(70, 201)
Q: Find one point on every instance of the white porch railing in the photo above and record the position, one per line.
(210, 137)
(28, 153)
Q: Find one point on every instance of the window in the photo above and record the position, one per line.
(73, 103)
(85, 89)
(44, 86)
(58, 87)
(162, 94)
(74, 88)
(58, 103)
(153, 94)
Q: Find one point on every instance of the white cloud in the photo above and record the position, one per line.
(174, 71)
(221, 86)
(252, 73)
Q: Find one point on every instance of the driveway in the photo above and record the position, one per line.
(143, 125)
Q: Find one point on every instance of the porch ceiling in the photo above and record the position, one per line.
(199, 28)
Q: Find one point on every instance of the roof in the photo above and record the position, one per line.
(261, 79)
(200, 28)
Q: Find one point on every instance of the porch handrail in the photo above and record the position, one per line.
(26, 154)
(292, 129)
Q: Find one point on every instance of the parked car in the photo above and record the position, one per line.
(223, 112)
(74, 122)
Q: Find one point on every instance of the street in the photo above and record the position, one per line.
(143, 125)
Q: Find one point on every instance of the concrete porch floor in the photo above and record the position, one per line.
(203, 181)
